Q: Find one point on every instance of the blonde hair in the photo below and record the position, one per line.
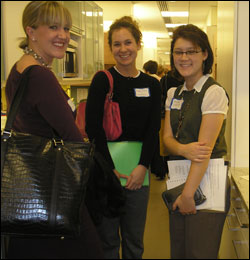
(128, 23)
(44, 13)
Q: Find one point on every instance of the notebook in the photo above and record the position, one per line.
(126, 156)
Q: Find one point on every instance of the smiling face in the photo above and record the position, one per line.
(189, 66)
(49, 41)
(124, 48)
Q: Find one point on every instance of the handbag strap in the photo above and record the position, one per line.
(15, 106)
(111, 82)
(6, 133)
(16, 101)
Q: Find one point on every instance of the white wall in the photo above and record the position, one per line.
(120, 9)
(12, 30)
(225, 47)
(240, 120)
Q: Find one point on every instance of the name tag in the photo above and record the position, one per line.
(177, 104)
(142, 92)
(72, 105)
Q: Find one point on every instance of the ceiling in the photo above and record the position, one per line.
(148, 14)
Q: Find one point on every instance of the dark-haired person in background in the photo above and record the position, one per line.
(150, 67)
(161, 71)
(158, 166)
(167, 81)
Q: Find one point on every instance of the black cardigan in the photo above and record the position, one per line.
(140, 115)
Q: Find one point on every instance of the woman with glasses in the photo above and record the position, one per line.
(194, 130)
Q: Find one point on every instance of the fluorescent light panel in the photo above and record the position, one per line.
(174, 14)
(172, 25)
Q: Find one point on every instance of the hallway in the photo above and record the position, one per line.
(156, 236)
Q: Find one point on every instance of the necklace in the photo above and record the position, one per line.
(189, 96)
(29, 51)
(127, 76)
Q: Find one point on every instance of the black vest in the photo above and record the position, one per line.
(192, 115)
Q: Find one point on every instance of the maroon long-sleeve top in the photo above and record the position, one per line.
(45, 105)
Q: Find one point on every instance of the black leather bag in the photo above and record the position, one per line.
(105, 195)
(43, 181)
(170, 196)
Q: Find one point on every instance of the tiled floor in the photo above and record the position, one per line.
(156, 237)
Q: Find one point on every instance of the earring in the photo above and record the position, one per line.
(33, 39)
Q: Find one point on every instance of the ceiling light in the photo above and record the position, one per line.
(172, 25)
(149, 39)
(174, 14)
(89, 14)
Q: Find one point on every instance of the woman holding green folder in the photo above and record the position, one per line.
(139, 98)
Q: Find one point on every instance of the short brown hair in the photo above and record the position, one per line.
(150, 66)
(199, 38)
(128, 23)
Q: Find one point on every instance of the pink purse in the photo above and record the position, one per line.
(111, 118)
(80, 118)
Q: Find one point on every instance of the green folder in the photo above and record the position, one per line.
(126, 156)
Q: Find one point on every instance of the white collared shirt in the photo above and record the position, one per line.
(214, 101)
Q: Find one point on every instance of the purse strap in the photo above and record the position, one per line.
(15, 106)
(6, 133)
(111, 83)
(16, 102)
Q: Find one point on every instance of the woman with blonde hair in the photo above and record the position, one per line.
(45, 106)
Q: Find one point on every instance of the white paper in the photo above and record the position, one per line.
(177, 104)
(213, 183)
(142, 92)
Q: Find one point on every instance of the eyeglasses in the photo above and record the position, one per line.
(188, 53)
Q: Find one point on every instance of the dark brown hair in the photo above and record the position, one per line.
(128, 23)
(151, 66)
(199, 38)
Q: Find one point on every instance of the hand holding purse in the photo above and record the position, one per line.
(170, 196)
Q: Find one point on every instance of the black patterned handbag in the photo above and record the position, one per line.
(43, 181)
